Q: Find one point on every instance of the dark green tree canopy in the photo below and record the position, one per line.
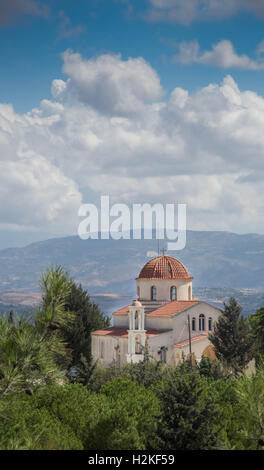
(188, 420)
(233, 338)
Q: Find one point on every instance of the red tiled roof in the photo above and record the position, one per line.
(195, 338)
(164, 267)
(167, 310)
(122, 332)
(122, 311)
(172, 308)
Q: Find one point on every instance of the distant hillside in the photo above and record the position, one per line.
(215, 259)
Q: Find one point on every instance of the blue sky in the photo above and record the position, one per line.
(144, 100)
(30, 45)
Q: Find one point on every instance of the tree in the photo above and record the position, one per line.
(56, 288)
(224, 392)
(210, 368)
(233, 338)
(188, 421)
(134, 416)
(144, 373)
(87, 318)
(249, 411)
(26, 426)
(68, 313)
(122, 416)
(27, 358)
(77, 409)
(257, 324)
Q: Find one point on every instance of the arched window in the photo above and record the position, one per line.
(210, 324)
(136, 321)
(193, 324)
(201, 322)
(153, 293)
(173, 293)
(138, 292)
(102, 350)
(162, 353)
(190, 293)
(138, 347)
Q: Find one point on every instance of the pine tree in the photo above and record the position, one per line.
(257, 323)
(188, 420)
(87, 318)
(210, 368)
(233, 338)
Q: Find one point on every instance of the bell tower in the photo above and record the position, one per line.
(136, 332)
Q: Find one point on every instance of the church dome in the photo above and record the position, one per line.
(164, 267)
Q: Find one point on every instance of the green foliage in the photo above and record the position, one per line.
(188, 421)
(122, 416)
(233, 338)
(68, 313)
(224, 392)
(257, 325)
(198, 406)
(211, 369)
(25, 426)
(53, 319)
(76, 408)
(134, 414)
(249, 411)
(87, 317)
(56, 288)
(101, 375)
(144, 373)
(27, 358)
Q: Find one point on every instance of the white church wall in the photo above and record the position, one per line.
(158, 341)
(170, 356)
(105, 351)
(121, 321)
(180, 321)
(163, 289)
(158, 323)
(198, 348)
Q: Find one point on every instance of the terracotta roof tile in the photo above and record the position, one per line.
(195, 338)
(164, 267)
(122, 311)
(172, 308)
(122, 332)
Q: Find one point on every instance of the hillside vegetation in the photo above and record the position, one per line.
(53, 396)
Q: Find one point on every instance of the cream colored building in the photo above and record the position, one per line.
(163, 318)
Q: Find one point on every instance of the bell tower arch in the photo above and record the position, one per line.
(136, 332)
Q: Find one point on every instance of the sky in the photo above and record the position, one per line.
(158, 101)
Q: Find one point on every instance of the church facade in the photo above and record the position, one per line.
(165, 319)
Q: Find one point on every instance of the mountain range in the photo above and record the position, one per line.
(219, 262)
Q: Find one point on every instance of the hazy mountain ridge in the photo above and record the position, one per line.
(215, 259)
(218, 260)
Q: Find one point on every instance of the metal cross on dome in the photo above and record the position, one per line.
(163, 251)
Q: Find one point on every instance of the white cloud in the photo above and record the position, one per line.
(186, 12)
(223, 55)
(34, 192)
(205, 148)
(109, 84)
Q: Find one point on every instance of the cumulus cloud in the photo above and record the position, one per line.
(10, 9)
(187, 12)
(109, 84)
(223, 55)
(204, 149)
(36, 193)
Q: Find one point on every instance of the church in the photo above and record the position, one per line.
(166, 320)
